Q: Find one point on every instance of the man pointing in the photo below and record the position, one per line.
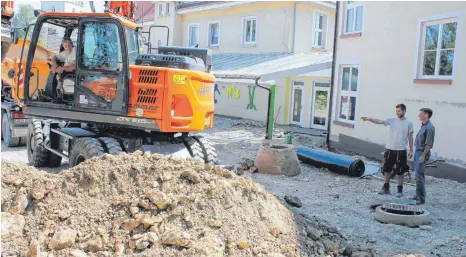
(401, 131)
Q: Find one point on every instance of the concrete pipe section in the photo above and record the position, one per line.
(401, 214)
(277, 159)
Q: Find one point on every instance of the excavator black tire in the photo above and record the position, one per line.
(38, 156)
(111, 145)
(85, 148)
(54, 160)
(8, 140)
(201, 149)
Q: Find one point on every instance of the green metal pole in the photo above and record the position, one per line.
(270, 122)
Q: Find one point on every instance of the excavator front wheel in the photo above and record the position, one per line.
(201, 149)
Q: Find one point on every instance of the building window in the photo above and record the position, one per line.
(353, 19)
(167, 8)
(193, 35)
(249, 30)
(347, 97)
(320, 30)
(437, 49)
(160, 10)
(214, 32)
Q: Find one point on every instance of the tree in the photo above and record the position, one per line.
(22, 18)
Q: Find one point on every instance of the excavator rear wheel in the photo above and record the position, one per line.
(201, 149)
(111, 145)
(38, 156)
(85, 148)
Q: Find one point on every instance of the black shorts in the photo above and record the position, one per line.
(396, 161)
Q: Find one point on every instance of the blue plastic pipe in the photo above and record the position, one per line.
(338, 163)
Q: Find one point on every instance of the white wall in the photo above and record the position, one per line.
(387, 54)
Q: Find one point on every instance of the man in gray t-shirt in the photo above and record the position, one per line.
(396, 157)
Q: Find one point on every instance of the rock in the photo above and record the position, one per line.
(37, 191)
(119, 249)
(348, 250)
(275, 232)
(151, 237)
(313, 233)
(159, 199)
(249, 163)
(331, 247)
(12, 226)
(93, 245)
(191, 175)
(425, 227)
(215, 223)
(211, 246)
(130, 224)
(149, 221)
(78, 253)
(242, 244)
(134, 210)
(64, 214)
(18, 204)
(166, 176)
(293, 201)
(177, 238)
(361, 254)
(62, 239)
(34, 249)
(142, 244)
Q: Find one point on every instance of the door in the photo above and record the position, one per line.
(320, 105)
(297, 103)
(102, 67)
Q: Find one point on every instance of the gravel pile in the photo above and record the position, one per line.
(141, 205)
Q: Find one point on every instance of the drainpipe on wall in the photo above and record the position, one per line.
(294, 27)
(332, 81)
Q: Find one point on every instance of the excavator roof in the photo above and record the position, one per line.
(126, 22)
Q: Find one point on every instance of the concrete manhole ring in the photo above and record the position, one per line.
(410, 220)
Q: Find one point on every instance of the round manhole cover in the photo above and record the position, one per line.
(402, 214)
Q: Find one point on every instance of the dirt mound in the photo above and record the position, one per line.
(140, 205)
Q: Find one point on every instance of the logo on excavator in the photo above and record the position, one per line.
(134, 120)
(204, 89)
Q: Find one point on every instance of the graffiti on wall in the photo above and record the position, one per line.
(435, 102)
(233, 91)
(252, 91)
(215, 91)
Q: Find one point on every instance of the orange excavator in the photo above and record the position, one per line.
(107, 97)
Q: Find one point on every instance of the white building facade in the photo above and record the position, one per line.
(400, 52)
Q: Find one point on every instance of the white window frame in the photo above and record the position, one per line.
(167, 8)
(243, 30)
(420, 44)
(347, 93)
(189, 35)
(209, 35)
(324, 30)
(160, 10)
(354, 5)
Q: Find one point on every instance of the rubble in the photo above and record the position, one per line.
(110, 207)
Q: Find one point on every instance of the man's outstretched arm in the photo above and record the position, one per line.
(375, 121)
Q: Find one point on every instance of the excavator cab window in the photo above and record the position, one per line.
(132, 39)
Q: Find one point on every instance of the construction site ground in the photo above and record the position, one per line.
(340, 200)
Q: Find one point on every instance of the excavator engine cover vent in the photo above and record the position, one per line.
(148, 76)
(171, 61)
(147, 96)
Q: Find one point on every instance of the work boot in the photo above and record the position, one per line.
(399, 193)
(385, 189)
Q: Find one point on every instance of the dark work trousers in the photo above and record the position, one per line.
(420, 173)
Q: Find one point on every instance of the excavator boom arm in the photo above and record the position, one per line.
(122, 8)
